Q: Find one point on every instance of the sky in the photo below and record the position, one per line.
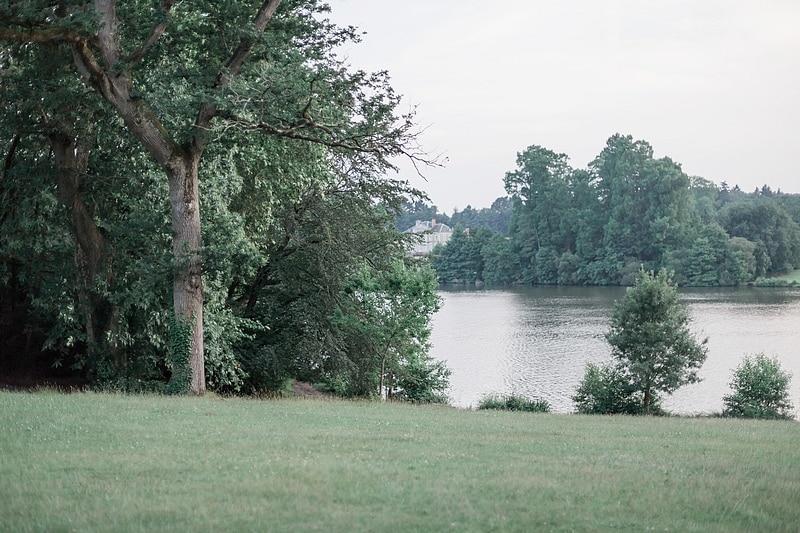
(712, 84)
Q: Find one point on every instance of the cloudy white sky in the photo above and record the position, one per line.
(713, 84)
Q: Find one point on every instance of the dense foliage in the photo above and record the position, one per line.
(128, 127)
(760, 389)
(652, 347)
(605, 390)
(627, 210)
(495, 218)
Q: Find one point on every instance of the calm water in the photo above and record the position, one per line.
(536, 341)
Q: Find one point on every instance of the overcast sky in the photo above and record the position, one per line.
(713, 84)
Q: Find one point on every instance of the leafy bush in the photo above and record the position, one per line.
(606, 390)
(514, 402)
(423, 380)
(760, 390)
(383, 321)
(224, 334)
(774, 282)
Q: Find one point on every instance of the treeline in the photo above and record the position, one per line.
(117, 149)
(626, 211)
(495, 218)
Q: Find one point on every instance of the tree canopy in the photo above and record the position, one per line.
(599, 225)
(128, 127)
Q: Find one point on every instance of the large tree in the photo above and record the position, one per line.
(542, 223)
(181, 77)
(766, 223)
(646, 200)
(651, 340)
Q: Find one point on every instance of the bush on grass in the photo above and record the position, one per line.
(514, 402)
(605, 390)
(760, 390)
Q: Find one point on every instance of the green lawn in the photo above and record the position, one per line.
(95, 462)
(794, 275)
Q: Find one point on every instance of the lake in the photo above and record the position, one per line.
(536, 341)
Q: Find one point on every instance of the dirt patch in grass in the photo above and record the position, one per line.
(307, 390)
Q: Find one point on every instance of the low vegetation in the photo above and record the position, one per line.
(605, 390)
(760, 390)
(514, 402)
(790, 279)
(99, 462)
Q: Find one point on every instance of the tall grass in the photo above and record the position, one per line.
(97, 462)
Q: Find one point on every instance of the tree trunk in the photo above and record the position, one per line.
(93, 254)
(383, 374)
(186, 246)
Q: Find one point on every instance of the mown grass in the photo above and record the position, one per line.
(793, 276)
(96, 462)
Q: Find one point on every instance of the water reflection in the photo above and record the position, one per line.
(536, 341)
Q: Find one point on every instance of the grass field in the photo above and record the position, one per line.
(794, 275)
(92, 462)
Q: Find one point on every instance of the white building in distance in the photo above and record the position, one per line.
(432, 234)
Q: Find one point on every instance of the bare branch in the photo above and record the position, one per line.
(365, 144)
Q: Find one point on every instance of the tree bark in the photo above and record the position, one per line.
(187, 286)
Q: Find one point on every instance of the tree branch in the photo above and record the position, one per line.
(365, 144)
(12, 151)
(155, 35)
(209, 110)
(263, 16)
(137, 116)
(298, 132)
(41, 36)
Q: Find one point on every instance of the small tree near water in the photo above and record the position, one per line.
(760, 390)
(651, 341)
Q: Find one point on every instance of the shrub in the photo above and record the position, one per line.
(774, 282)
(760, 390)
(423, 380)
(606, 390)
(514, 403)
